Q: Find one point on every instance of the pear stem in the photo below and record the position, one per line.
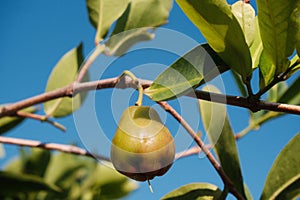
(150, 187)
(135, 80)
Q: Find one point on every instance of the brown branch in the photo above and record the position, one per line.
(41, 119)
(51, 146)
(84, 69)
(244, 102)
(72, 89)
(226, 180)
(191, 151)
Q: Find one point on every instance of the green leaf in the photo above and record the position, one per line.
(292, 94)
(245, 14)
(13, 184)
(277, 91)
(66, 171)
(140, 16)
(183, 75)
(2, 151)
(291, 192)
(295, 59)
(63, 168)
(248, 193)
(120, 43)
(8, 123)
(33, 162)
(220, 134)
(257, 47)
(103, 13)
(285, 172)
(266, 70)
(107, 183)
(194, 191)
(278, 29)
(222, 31)
(239, 83)
(63, 74)
(37, 162)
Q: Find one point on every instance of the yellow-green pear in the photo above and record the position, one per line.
(142, 147)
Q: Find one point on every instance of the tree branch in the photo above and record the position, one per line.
(244, 102)
(41, 119)
(51, 146)
(75, 88)
(276, 79)
(191, 151)
(226, 180)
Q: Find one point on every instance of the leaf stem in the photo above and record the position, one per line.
(135, 80)
(249, 87)
(224, 193)
(150, 186)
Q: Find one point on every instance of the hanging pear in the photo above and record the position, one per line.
(142, 147)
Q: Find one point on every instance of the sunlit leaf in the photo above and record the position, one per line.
(102, 17)
(245, 14)
(140, 16)
(266, 70)
(13, 184)
(2, 151)
(107, 183)
(33, 161)
(277, 92)
(62, 169)
(66, 171)
(278, 27)
(120, 43)
(239, 83)
(63, 74)
(220, 134)
(183, 75)
(257, 47)
(222, 31)
(296, 67)
(195, 191)
(298, 32)
(285, 172)
(8, 123)
(248, 193)
(292, 94)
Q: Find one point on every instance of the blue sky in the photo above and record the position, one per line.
(35, 34)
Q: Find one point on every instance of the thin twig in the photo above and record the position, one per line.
(191, 151)
(226, 180)
(51, 146)
(276, 79)
(84, 69)
(72, 89)
(40, 118)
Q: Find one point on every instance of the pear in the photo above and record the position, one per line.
(142, 147)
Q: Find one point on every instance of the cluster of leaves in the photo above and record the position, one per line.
(38, 174)
(237, 40)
